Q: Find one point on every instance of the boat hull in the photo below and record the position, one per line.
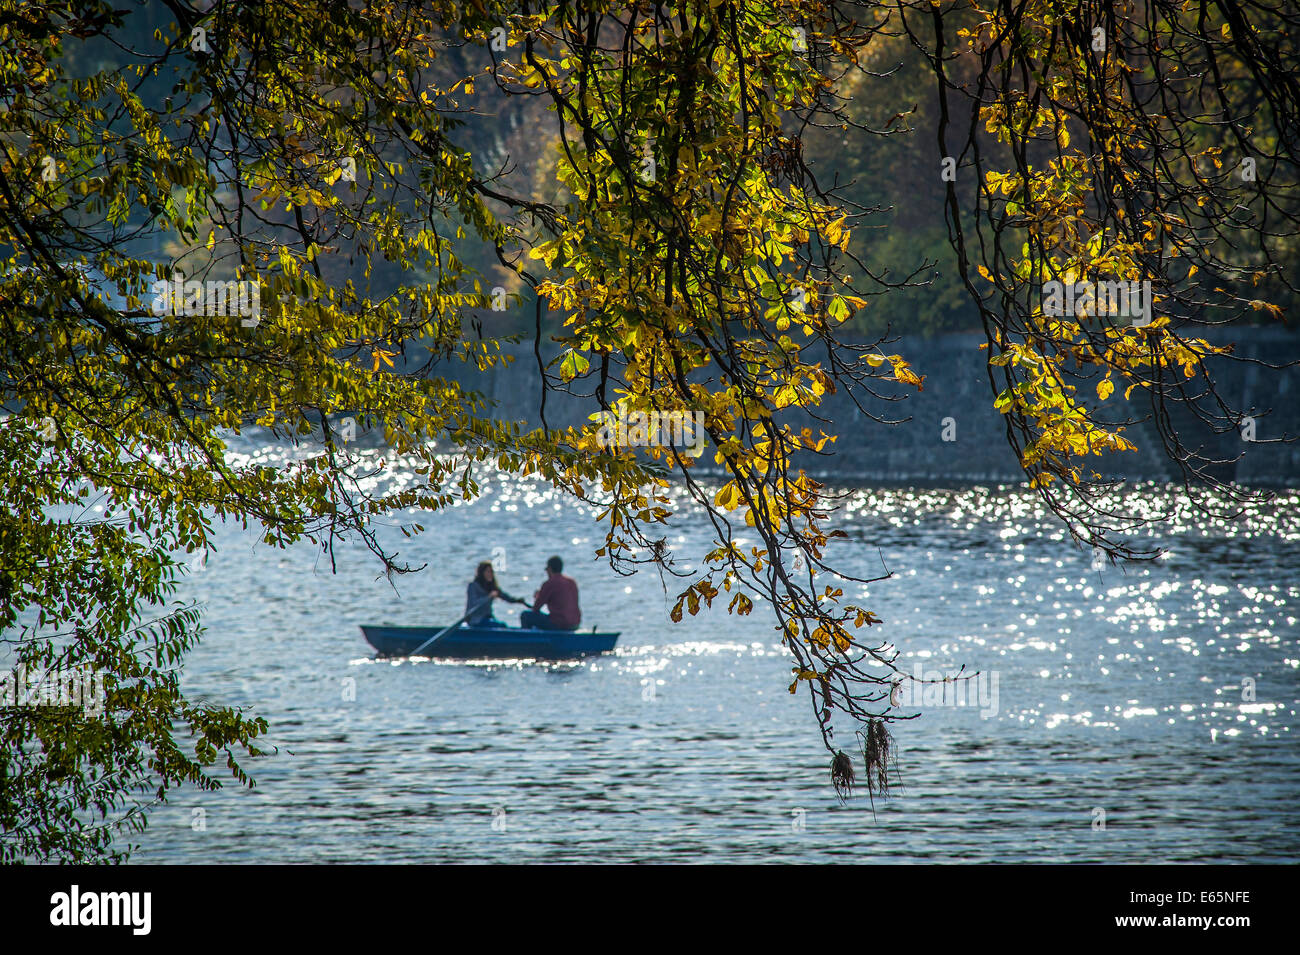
(489, 642)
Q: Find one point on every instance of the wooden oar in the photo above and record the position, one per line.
(435, 639)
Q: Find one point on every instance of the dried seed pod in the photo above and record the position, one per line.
(842, 774)
(877, 750)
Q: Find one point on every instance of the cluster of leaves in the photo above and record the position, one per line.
(1092, 141)
(698, 270)
(224, 144)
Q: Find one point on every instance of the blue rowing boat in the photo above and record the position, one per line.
(493, 642)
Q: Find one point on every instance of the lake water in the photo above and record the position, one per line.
(1119, 691)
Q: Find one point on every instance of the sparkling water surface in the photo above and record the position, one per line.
(1119, 698)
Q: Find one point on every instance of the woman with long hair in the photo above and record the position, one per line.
(480, 594)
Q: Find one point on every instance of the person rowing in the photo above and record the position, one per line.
(480, 594)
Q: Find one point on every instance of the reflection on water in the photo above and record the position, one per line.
(1125, 690)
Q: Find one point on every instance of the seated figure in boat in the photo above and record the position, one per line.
(560, 594)
(479, 595)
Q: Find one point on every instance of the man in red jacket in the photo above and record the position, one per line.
(560, 594)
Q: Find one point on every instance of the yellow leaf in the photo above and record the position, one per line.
(727, 496)
(903, 372)
(1104, 388)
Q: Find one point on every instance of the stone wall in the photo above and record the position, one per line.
(957, 387)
